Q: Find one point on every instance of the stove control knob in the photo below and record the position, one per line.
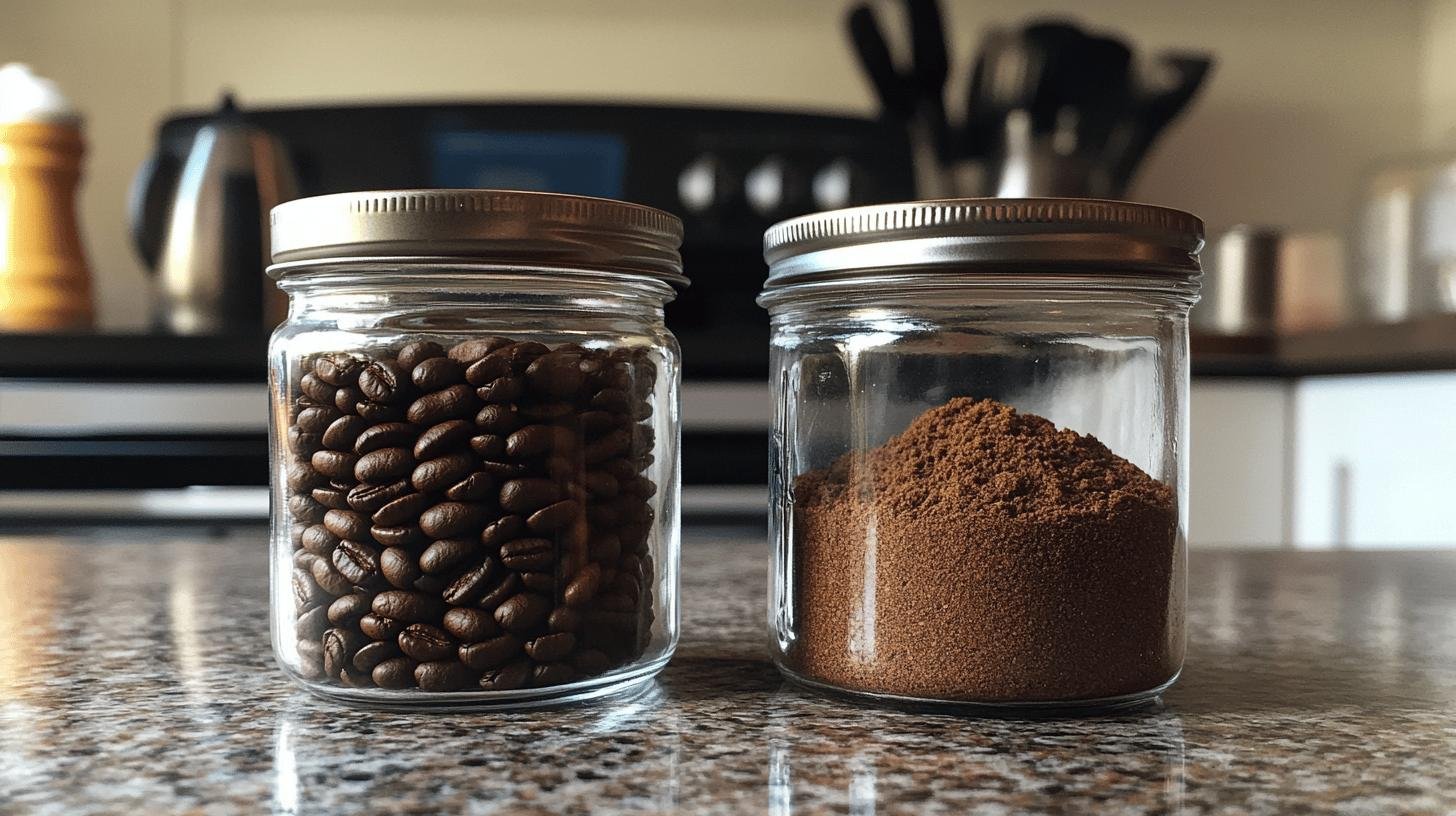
(766, 185)
(698, 184)
(833, 185)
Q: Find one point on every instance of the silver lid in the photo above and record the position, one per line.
(420, 226)
(983, 232)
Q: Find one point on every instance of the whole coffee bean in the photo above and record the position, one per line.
(497, 419)
(502, 390)
(443, 438)
(470, 626)
(441, 472)
(339, 648)
(473, 488)
(611, 399)
(369, 498)
(603, 515)
(316, 418)
(583, 588)
(349, 608)
(301, 477)
(604, 548)
(601, 484)
(423, 641)
(489, 368)
(537, 440)
(380, 627)
(394, 673)
(446, 554)
(336, 465)
(528, 554)
(471, 584)
(552, 674)
(542, 582)
(347, 399)
(302, 442)
(347, 524)
(379, 412)
(528, 495)
(522, 612)
(337, 369)
(306, 591)
(472, 350)
(384, 465)
(312, 623)
(491, 653)
(408, 535)
(399, 568)
(591, 662)
(412, 354)
(373, 653)
(549, 648)
(545, 411)
(617, 602)
(596, 423)
(609, 445)
(409, 607)
(357, 561)
(554, 517)
(557, 374)
(330, 579)
(498, 594)
(564, 619)
(437, 373)
(342, 432)
(441, 675)
(501, 530)
(331, 498)
(316, 389)
(508, 677)
(432, 584)
(503, 470)
(403, 510)
(488, 446)
(383, 381)
(452, 519)
(455, 402)
(305, 510)
(311, 653)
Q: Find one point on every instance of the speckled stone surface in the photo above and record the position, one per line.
(135, 677)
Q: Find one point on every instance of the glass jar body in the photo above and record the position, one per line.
(475, 484)
(936, 537)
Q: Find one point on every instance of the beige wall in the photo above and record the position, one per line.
(1307, 92)
(1438, 74)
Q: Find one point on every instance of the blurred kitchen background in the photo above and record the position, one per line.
(1317, 139)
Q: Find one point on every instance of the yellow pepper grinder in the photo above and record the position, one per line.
(44, 281)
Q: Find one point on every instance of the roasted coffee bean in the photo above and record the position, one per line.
(549, 648)
(537, 440)
(379, 412)
(331, 498)
(369, 498)
(502, 390)
(295, 533)
(622, 469)
(336, 465)
(452, 519)
(302, 442)
(498, 594)
(603, 515)
(447, 554)
(564, 619)
(357, 561)
(337, 369)
(497, 419)
(545, 411)
(441, 472)
(305, 510)
(432, 584)
(522, 612)
(403, 510)
(312, 651)
(542, 582)
(349, 608)
(503, 471)
(373, 653)
(596, 423)
(490, 653)
(473, 488)
(617, 602)
(316, 418)
(591, 661)
(525, 554)
(347, 524)
(583, 588)
(471, 584)
(604, 548)
(554, 517)
(441, 675)
(472, 350)
(601, 484)
(557, 374)
(347, 399)
(423, 641)
(508, 677)
(528, 495)
(470, 626)
(611, 399)
(316, 389)
(412, 354)
(394, 673)
(330, 579)
(442, 438)
(384, 465)
(488, 446)
(383, 381)
(306, 591)
(502, 530)
(385, 435)
(611, 444)
(437, 373)
(489, 368)
(399, 568)
(342, 432)
(301, 477)
(552, 674)
(312, 623)
(409, 607)
(339, 648)
(380, 627)
(455, 402)
(408, 535)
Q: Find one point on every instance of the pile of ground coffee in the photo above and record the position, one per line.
(984, 555)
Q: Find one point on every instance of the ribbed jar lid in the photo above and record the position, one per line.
(503, 226)
(983, 234)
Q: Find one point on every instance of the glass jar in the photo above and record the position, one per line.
(474, 447)
(979, 487)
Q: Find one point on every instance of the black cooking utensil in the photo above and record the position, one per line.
(930, 66)
(1153, 109)
(897, 99)
(1054, 63)
(1102, 87)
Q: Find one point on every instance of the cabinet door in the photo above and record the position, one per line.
(1238, 462)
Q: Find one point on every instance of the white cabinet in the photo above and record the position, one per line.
(1239, 462)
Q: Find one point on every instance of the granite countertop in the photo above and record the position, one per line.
(135, 675)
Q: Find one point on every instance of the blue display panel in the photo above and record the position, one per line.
(551, 161)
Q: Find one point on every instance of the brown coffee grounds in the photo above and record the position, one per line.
(984, 555)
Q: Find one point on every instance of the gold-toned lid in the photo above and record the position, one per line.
(501, 226)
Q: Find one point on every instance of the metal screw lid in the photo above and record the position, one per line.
(985, 234)
(507, 226)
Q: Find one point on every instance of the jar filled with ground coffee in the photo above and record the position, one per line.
(474, 446)
(978, 462)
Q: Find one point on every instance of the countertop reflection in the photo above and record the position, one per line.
(135, 675)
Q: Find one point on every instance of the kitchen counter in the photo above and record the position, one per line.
(135, 675)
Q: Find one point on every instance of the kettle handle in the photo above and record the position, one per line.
(149, 206)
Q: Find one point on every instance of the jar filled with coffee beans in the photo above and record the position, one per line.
(474, 447)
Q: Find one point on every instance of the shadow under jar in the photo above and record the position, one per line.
(474, 447)
(978, 475)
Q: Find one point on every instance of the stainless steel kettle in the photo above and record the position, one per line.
(200, 223)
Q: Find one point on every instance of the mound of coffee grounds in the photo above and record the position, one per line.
(984, 555)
